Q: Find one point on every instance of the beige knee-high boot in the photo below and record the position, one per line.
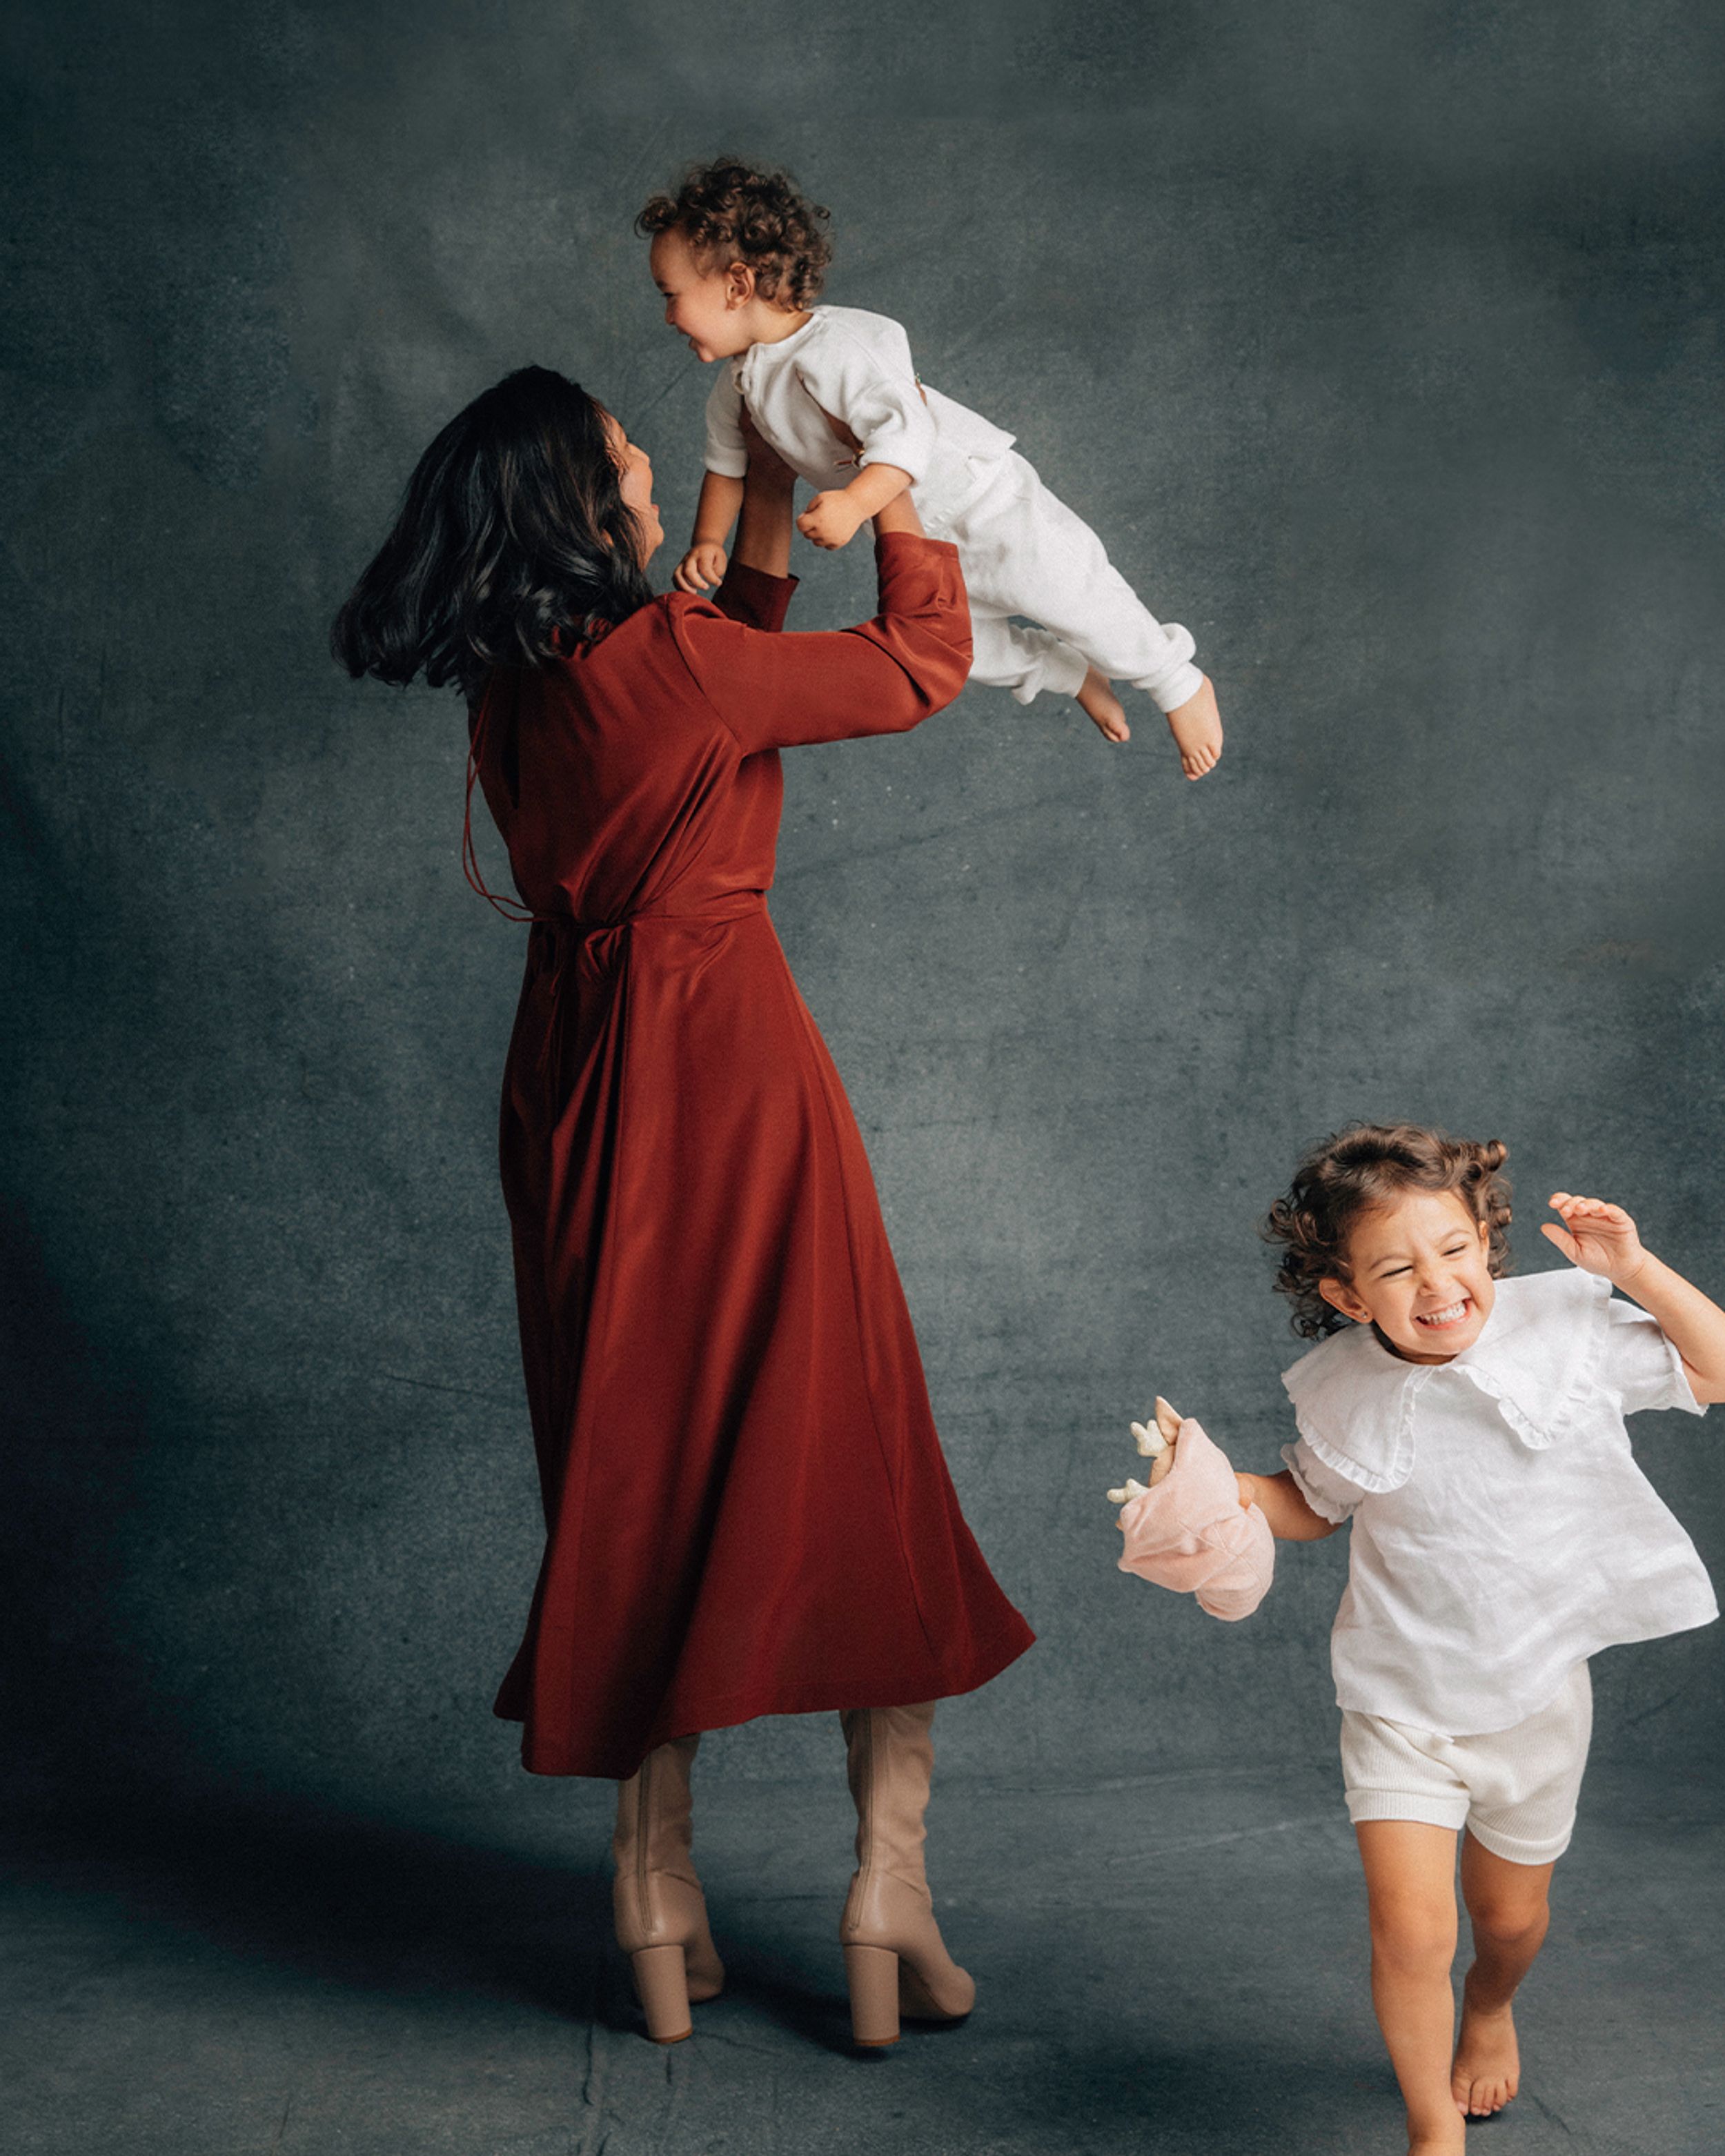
(895, 1960)
(657, 1899)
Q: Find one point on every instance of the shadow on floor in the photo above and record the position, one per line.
(274, 1977)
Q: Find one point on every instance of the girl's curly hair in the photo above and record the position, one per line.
(1362, 1167)
(749, 214)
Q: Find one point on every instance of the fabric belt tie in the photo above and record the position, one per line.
(557, 937)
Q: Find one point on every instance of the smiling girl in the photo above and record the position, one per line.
(1471, 1429)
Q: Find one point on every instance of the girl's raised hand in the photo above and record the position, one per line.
(1596, 1235)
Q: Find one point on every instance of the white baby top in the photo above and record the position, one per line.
(1501, 1530)
(858, 367)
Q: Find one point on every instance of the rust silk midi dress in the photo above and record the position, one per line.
(747, 1511)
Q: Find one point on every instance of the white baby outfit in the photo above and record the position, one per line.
(1022, 550)
(1502, 1533)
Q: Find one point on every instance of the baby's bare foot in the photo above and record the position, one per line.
(1488, 2069)
(1196, 726)
(1096, 698)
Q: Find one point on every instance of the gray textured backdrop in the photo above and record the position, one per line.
(1382, 347)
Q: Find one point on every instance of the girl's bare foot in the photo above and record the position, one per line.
(1444, 2143)
(1487, 2070)
(1096, 698)
(1196, 726)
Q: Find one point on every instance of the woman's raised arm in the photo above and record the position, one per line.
(763, 528)
(756, 586)
(883, 676)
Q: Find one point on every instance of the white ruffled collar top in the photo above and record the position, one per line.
(1358, 1405)
(1500, 1528)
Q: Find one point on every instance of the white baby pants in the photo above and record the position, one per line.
(1024, 552)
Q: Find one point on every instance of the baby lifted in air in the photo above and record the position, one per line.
(739, 256)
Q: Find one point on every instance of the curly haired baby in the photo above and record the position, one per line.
(1471, 1431)
(740, 256)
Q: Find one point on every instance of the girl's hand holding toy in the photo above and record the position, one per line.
(1192, 1528)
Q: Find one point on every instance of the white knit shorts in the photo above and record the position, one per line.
(1513, 1789)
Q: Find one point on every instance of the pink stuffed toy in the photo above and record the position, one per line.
(1188, 1530)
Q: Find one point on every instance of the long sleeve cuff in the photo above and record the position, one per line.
(916, 575)
(753, 597)
(907, 450)
(901, 549)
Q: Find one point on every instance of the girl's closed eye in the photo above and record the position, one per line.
(1419, 1271)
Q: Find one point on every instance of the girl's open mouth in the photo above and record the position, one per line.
(1435, 1321)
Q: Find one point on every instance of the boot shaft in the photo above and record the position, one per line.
(890, 1761)
(655, 1888)
(895, 1958)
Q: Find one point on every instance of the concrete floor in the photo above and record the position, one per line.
(1174, 1964)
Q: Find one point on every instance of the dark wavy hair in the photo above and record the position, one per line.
(751, 214)
(512, 537)
(1359, 1168)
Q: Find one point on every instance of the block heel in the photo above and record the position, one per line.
(662, 1986)
(871, 1975)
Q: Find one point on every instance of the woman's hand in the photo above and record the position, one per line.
(1599, 1237)
(880, 494)
(843, 432)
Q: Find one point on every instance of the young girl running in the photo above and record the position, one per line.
(739, 256)
(1471, 1429)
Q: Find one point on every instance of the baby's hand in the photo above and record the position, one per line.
(1196, 726)
(831, 520)
(1599, 1237)
(1157, 1445)
(703, 566)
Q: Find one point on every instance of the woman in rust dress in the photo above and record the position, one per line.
(746, 1508)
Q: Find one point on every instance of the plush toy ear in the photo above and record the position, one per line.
(1157, 1443)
